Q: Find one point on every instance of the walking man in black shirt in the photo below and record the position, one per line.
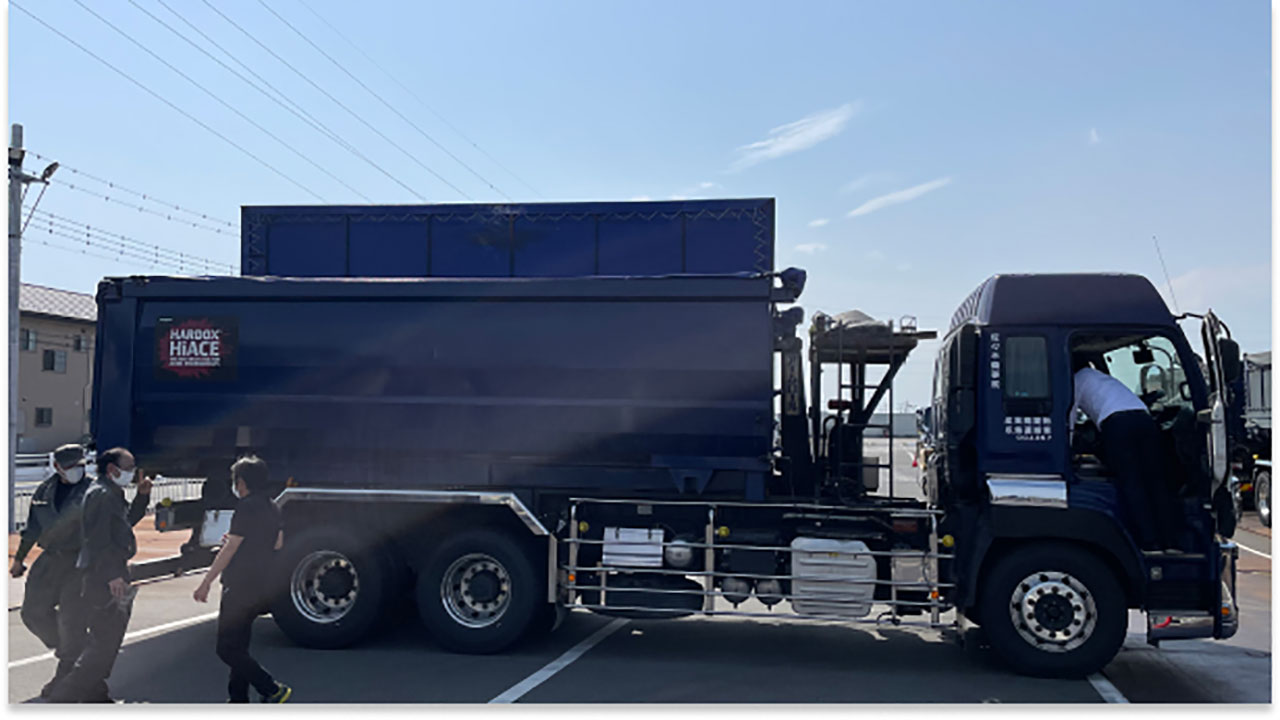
(53, 587)
(245, 563)
(106, 598)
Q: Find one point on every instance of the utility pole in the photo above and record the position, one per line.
(17, 181)
(16, 154)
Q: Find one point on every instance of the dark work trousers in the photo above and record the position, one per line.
(105, 621)
(51, 608)
(1131, 444)
(236, 614)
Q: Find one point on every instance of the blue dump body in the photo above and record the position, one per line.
(513, 240)
(659, 385)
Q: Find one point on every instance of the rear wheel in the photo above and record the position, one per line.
(1053, 610)
(1262, 496)
(338, 588)
(480, 591)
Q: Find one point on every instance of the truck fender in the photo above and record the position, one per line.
(1001, 527)
(442, 497)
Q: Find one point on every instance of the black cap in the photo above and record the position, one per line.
(68, 456)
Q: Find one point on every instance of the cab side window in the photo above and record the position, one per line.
(1026, 373)
(1026, 388)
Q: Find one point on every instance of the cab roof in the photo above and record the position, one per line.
(1064, 299)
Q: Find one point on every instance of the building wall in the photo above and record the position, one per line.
(67, 394)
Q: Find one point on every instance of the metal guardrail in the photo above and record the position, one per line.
(175, 489)
(578, 595)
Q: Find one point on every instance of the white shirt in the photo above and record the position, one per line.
(1099, 395)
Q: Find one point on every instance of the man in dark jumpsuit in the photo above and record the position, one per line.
(53, 587)
(107, 543)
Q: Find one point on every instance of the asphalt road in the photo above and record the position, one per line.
(169, 658)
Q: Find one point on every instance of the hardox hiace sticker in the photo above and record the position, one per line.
(196, 348)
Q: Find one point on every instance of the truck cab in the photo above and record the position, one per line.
(1030, 502)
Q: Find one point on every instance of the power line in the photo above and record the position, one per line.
(123, 250)
(283, 100)
(145, 196)
(166, 101)
(417, 97)
(117, 257)
(139, 208)
(233, 71)
(389, 106)
(89, 231)
(340, 104)
(222, 102)
(90, 234)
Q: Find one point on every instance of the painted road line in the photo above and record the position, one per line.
(129, 637)
(1109, 692)
(1246, 548)
(520, 689)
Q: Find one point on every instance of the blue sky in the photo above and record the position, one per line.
(940, 142)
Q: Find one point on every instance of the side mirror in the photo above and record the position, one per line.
(1215, 416)
(1184, 389)
(1231, 366)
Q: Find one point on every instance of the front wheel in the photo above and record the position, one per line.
(1053, 610)
(1262, 496)
(480, 591)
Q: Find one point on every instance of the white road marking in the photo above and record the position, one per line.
(129, 637)
(1246, 548)
(517, 691)
(1109, 692)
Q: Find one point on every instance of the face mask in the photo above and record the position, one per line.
(74, 475)
(124, 478)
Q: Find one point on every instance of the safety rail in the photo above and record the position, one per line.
(571, 590)
(174, 489)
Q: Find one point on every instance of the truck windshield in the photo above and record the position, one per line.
(1155, 376)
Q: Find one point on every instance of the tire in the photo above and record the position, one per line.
(1262, 496)
(337, 588)
(480, 591)
(1083, 611)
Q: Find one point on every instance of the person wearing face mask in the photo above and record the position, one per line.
(106, 599)
(53, 587)
(246, 564)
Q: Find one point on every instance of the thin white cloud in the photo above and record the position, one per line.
(1093, 136)
(641, 198)
(695, 192)
(857, 184)
(818, 222)
(1215, 287)
(875, 255)
(796, 136)
(898, 197)
(810, 248)
(904, 267)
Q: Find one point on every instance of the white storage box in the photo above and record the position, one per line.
(216, 524)
(831, 577)
(633, 547)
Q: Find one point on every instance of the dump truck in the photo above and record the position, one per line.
(500, 450)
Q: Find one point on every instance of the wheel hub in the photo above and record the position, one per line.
(476, 590)
(1053, 611)
(324, 586)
